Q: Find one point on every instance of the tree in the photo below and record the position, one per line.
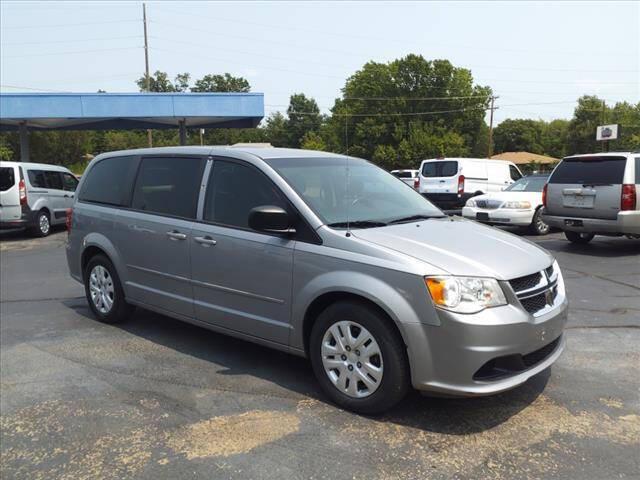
(276, 130)
(554, 138)
(221, 83)
(581, 136)
(403, 105)
(519, 135)
(159, 82)
(313, 141)
(303, 117)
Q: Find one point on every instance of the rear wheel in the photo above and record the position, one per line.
(359, 358)
(104, 291)
(577, 237)
(538, 227)
(42, 227)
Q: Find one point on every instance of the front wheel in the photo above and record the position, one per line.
(538, 227)
(359, 358)
(577, 237)
(104, 291)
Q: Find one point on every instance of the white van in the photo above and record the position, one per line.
(450, 182)
(35, 196)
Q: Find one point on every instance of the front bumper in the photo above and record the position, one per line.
(627, 223)
(500, 216)
(451, 358)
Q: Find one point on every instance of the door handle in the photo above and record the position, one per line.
(205, 241)
(175, 235)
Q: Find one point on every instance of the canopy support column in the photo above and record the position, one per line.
(24, 142)
(183, 132)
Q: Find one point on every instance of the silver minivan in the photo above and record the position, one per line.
(35, 196)
(323, 256)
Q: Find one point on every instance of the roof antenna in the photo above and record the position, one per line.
(347, 179)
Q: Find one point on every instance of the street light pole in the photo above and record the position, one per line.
(146, 65)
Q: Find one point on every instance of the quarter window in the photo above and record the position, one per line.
(36, 178)
(234, 189)
(69, 182)
(168, 186)
(110, 181)
(515, 174)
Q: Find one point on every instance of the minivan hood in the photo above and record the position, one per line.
(461, 247)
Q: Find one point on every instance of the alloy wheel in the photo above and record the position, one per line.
(101, 289)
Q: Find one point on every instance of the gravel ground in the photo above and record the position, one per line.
(157, 398)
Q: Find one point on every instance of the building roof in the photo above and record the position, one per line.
(103, 111)
(522, 158)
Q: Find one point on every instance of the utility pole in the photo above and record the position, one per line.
(146, 64)
(492, 108)
(605, 144)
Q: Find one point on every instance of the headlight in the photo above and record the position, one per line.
(470, 203)
(516, 205)
(465, 294)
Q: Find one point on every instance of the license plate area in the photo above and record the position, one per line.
(482, 216)
(573, 223)
(578, 201)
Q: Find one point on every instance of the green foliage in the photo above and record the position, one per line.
(6, 153)
(221, 83)
(313, 141)
(519, 136)
(303, 116)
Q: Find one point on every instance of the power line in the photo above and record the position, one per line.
(73, 41)
(25, 27)
(71, 52)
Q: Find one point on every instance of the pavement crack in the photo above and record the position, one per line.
(599, 327)
(52, 299)
(600, 277)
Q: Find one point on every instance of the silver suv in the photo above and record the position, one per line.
(594, 194)
(322, 256)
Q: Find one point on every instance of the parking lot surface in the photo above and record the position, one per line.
(155, 397)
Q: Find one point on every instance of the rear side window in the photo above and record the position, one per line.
(110, 181)
(590, 170)
(403, 174)
(169, 186)
(54, 180)
(7, 178)
(440, 169)
(234, 189)
(36, 178)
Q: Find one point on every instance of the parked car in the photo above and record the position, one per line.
(594, 194)
(410, 177)
(519, 204)
(366, 278)
(35, 196)
(450, 182)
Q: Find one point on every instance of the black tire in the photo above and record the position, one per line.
(42, 227)
(395, 377)
(538, 227)
(120, 310)
(577, 237)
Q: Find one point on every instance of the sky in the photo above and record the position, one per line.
(538, 57)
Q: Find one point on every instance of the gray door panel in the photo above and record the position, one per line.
(155, 250)
(242, 280)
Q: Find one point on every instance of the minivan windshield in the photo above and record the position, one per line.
(527, 184)
(446, 168)
(592, 170)
(367, 197)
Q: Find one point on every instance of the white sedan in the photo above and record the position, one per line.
(519, 204)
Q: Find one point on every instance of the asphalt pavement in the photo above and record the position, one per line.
(157, 398)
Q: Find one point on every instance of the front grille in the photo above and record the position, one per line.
(525, 283)
(534, 304)
(537, 290)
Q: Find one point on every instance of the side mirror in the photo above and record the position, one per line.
(271, 219)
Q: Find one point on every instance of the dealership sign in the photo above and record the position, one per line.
(607, 132)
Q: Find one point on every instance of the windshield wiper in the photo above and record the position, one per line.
(357, 224)
(414, 218)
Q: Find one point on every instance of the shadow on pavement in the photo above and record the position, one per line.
(605, 247)
(458, 416)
